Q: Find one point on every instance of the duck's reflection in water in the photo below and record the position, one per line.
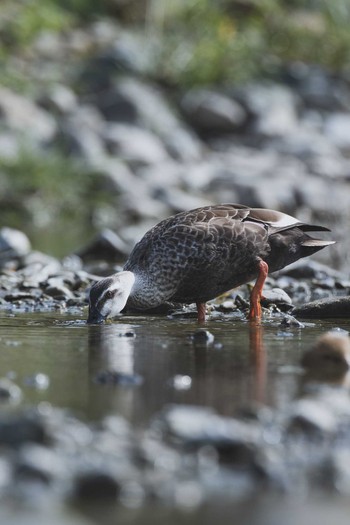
(111, 369)
(226, 374)
(259, 361)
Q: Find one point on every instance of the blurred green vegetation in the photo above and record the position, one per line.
(51, 197)
(201, 41)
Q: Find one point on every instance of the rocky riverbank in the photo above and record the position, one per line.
(146, 150)
(34, 281)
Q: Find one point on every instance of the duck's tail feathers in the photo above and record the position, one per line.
(310, 246)
(317, 243)
(313, 228)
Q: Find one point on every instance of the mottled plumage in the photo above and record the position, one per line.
(195, 256)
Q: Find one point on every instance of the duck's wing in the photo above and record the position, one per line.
(279, 221)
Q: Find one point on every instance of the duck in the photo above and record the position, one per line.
(198, 255)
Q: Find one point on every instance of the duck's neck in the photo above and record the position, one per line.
(143, 294)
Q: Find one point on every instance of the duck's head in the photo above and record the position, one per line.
(108, 296)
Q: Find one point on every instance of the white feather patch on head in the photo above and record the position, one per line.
(122, 285)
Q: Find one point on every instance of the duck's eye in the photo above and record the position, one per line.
(109, 294)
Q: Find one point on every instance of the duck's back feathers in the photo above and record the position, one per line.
(197, 255)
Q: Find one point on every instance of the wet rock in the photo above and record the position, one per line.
(113, 377)
(37, 463)
(339, 471)
(56, 288)
(37, 267)
(17, 430)
(17, 296)
(234, 441)
(38, 381)
(278, 297)
(202, 337)
(289, 321)
(96, 485)
(329, 358)
(9, 391)
(180, 382)
(107, 245)
(213, 112)
(13, 244)
(311, 417)
(197, 426)
(324, 309)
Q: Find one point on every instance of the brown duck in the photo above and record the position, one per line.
(195, 256)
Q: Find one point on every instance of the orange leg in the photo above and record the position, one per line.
(256, 293)
(201, 312)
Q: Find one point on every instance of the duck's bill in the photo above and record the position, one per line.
(95, 317)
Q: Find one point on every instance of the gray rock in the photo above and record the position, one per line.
(312, 417)
(278, 297)
(113, 377)
(331, 166)
(324, 309)
(37, 463)
(14, 244)
(59, 99)
(80, 134)
(9, 145)
(96, 485)
(339, 471)
(153, 112)
(289, 321)
(337, 129)
(329, 357)
(23, 428)
(56, 288)
(307, 144)
(320, 89)
(9, 391)
(275, 108)
(178, 200)
(199, 426)
(202, 337)
(39, 381)
(106, 245)
(134, 145)
(20, 114)
(38, 267)
(183, 145)
(212, 112)
(180, 382)
(310, 269)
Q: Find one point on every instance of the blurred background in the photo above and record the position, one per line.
(115, 114)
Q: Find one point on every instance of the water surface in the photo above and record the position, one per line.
(245, 364)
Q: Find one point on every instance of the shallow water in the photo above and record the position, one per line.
(244, 364)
